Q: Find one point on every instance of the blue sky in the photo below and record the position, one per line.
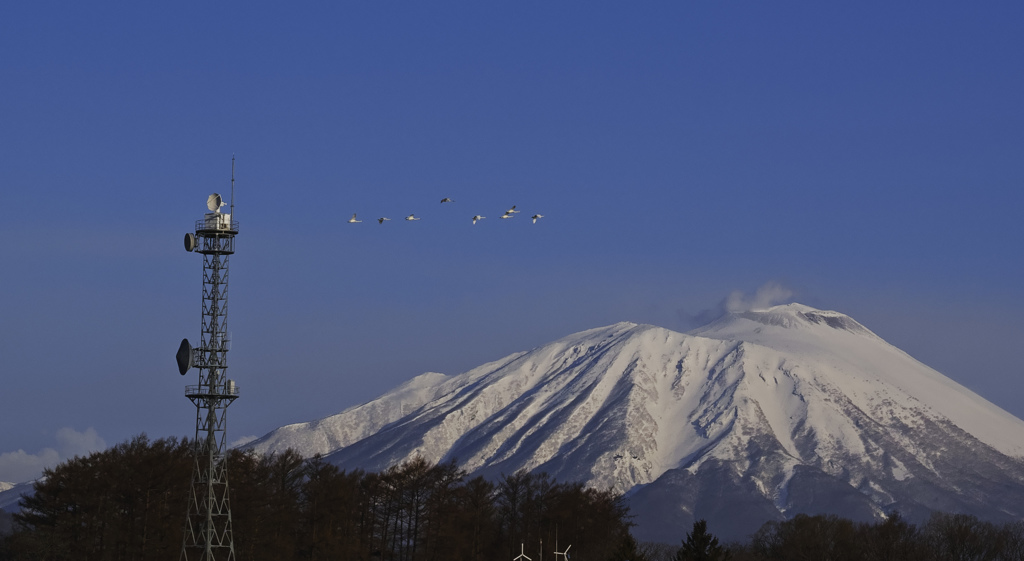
(865, 158)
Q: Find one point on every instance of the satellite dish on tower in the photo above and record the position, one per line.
(190, 242)
(184, 357)
(214, 202)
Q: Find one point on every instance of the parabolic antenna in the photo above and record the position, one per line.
(190, 242)
(184, 357)
(214, 202)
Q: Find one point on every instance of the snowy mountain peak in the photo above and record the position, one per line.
(789, 404)
(789, 316)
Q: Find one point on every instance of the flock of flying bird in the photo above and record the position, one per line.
(510, 213)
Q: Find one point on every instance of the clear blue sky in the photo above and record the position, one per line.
(866, 157)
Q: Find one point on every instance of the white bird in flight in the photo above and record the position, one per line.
(353, 219)
(507, 215)
(411, 217)
(512, 210)
(382, 219)
(536, 216)
(478, 217)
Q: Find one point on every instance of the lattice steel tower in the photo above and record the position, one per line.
(208, 534)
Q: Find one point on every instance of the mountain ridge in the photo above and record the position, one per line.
(788, 409)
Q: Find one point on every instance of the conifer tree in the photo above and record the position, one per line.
(628, 550)
(699, 545)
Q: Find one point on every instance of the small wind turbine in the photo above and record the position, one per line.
(522, 554)
(564, 554)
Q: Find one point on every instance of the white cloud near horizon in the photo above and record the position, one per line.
(20, 466)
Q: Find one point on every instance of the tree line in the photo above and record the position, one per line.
(129, 503)
(827, 537)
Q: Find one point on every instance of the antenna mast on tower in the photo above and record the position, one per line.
(208, 535)
(232, 211)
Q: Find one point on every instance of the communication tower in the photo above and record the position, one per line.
(208, 534)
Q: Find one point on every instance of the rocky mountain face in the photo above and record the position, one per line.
(757, 416)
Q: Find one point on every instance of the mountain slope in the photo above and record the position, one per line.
(11, 494)
(784, 410)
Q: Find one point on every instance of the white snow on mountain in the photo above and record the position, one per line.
(10, 495)
(860, 363)
(794, 408)
(353, 424)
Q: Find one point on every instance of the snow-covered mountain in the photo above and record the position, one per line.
(757, 416)
(10, 495)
